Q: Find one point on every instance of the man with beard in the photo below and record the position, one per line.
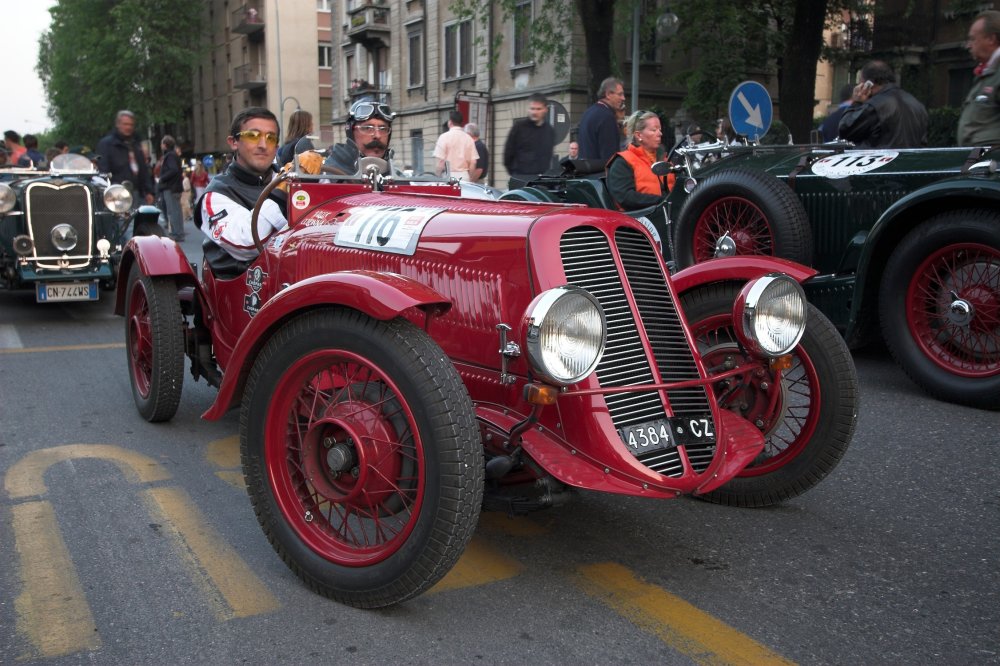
(224, 211)
(369, 128)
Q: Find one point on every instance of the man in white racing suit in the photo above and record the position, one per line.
(223, 213)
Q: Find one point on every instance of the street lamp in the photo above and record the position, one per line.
(666, 27)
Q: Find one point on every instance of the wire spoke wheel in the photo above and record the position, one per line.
(806, 412)
(361, 455)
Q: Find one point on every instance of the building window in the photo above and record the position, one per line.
(325, 55)
(522, 32)
(416, 57)
(322, 5)
(458, 50)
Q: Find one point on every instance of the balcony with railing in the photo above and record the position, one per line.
(368, 22)
(248, 19)
(249, 77)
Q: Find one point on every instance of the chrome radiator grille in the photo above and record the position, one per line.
(49, 205)
(588, 261)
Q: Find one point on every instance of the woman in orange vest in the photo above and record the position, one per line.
(631, 181)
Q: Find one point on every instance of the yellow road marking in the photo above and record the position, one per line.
(38, 350)
(26, 477)
(52, 611)
(479, 565)
(216, 568)
(224, 452)
(685, 628)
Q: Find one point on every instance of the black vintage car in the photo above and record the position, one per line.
(62, 229)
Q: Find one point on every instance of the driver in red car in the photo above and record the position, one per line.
(225, 209)
(369, 129)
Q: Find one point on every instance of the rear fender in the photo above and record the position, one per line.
(382, 296)
(737, 269)
(156, 257)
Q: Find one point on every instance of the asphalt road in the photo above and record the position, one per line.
(126, 543)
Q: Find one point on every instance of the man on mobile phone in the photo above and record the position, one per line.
(881, 114)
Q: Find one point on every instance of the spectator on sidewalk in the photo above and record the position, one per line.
(455, 150)
(528, 151)
(599, 134)
(883, 115)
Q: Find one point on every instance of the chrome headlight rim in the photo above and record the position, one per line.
(7, 198)
(118, 199)
(537, 330)
(770, 314)
(64, 237)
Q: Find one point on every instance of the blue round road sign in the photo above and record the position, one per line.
(750, 110)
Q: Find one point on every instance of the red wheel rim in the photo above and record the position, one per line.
(344, 457)
(140, 339)
(785, 406)
(737, 218)
(953, 309)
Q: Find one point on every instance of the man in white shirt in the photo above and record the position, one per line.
(456, 150)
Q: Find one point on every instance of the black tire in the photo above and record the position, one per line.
(806, 434)
(389, 515)
(154, 344)
(939, 306)
(758, 212)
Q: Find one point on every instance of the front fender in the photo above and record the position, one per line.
(382, 296)
(156, 257)
(737, 269)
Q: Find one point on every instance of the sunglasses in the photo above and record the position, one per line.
(364, 110)
(372, 129)
(253, 136)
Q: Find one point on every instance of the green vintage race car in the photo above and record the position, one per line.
(906, 242)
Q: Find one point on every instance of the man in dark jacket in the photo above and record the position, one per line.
(528, 151)
(170, 186)
(120, 155)
(883, 115)
(599, 134)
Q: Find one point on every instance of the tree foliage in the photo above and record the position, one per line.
(100, 56)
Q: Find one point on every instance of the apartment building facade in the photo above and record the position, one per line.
(415, 55)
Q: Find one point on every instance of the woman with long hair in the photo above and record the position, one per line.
(300, 124)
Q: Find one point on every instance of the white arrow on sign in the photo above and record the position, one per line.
(753, 112)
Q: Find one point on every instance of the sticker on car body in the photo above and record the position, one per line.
(394, 229)
(852, 163)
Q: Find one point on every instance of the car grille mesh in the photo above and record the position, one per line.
(49, 206)
(588, 262)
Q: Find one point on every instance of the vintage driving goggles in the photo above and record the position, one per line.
(362, 111)
(253, 136)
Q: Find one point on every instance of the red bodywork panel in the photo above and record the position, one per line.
(470, 265)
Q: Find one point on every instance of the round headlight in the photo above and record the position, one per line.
(117, 199)
(566, 332)
(771, 312)
(63, 237)
(7, 198)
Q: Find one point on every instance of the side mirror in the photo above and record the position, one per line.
(662, 168)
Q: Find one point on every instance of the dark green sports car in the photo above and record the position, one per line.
(906, 242)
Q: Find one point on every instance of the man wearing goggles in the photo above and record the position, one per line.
(369, 128)
(224, 210)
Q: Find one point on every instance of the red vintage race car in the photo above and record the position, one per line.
(402, 357)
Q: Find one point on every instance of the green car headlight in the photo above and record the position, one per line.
(118, 199)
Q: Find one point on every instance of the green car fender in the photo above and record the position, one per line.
(897, 221)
